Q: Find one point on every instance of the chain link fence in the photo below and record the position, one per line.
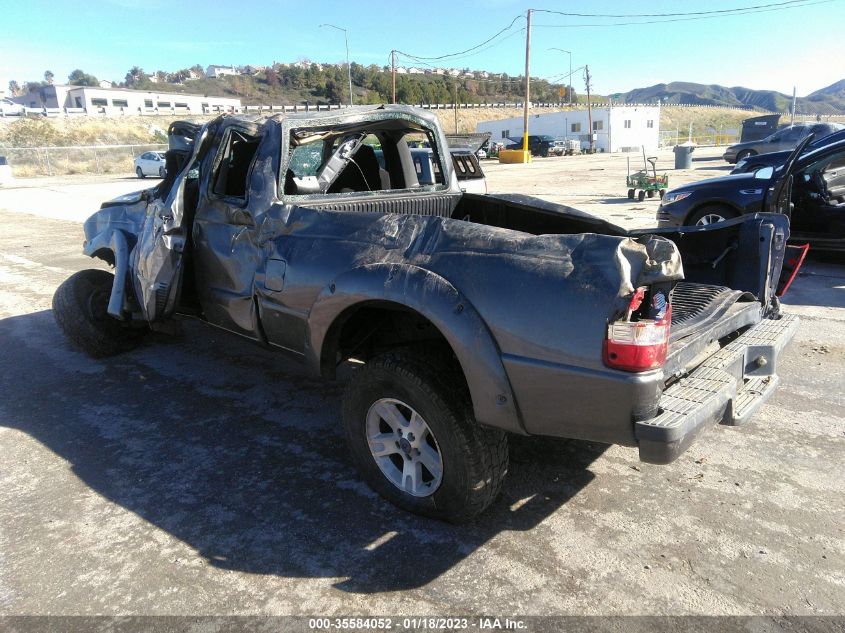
(670, 138)
(79, 159)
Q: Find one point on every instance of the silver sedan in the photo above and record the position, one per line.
(150, 164)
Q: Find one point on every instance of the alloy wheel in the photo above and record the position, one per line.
(403, 447)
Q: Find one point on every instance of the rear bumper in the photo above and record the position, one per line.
(727, 388)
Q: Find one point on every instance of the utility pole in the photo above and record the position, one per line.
(589, 106)
(527, 82)
(792, 110)
(456, 107)
(393, 72)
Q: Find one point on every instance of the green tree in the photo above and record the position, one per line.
(333, 91)
(14, 88)
(272, 78)
(135, 76)
(48, 76)
(81, 78)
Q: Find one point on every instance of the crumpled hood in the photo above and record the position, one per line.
(125, 213)
(129, 198)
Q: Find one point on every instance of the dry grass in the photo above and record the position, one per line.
(139, 130)
(40, 132)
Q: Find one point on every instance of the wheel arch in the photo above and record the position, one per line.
(111, 246)
(712, 203)
(420, 294)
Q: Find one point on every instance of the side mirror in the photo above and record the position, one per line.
(764, 173)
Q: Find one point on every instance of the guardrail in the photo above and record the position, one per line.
(173, 110)
(669, 138)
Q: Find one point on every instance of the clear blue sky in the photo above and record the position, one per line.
(106, 38)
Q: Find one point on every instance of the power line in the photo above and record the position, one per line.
(667, 15)
(499, 42)
(468, 50)
(736, 12)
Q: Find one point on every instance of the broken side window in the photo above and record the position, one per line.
(235, 157)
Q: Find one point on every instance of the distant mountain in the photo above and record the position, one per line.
(830, 100)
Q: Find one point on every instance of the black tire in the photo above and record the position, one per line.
(650, 193)
(474, 458)
(641, 196)
(79, 307)
(725, 212)
(745, 154)
(161, 172)
(139, 172)
(631, 193)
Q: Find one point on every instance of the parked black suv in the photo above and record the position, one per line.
(538, 145)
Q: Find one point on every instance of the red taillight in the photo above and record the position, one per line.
(638, 345)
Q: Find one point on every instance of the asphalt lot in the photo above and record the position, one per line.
(203, 475)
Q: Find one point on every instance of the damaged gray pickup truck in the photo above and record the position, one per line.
(462, 317)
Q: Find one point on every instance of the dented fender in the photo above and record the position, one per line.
(114, 241)
(445, 307)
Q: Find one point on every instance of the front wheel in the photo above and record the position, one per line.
(139, 172)
(710, 214)
(641, 196)
(631, 193)
(161, 172)
(650, 193)
(412, 436)
(79, 307)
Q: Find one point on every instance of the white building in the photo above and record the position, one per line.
(220, 71)
(105, 83)
(116, 101)
(616, 129)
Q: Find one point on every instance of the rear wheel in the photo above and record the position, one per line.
(650, 193)
(710, 214)
(161, 172)
(641, 196)
(139, 172)
(79, 307)
(631, 193)
(412, 436)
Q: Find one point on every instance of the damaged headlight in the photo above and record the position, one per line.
(674, 196)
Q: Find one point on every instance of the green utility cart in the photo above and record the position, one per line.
(642, 183)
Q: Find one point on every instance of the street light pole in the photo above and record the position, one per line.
(348, 66)
(569, 84)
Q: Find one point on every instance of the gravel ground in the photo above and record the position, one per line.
(203, 475)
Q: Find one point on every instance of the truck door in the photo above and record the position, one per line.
(238, 187)
(158, 257)
(778, 197)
